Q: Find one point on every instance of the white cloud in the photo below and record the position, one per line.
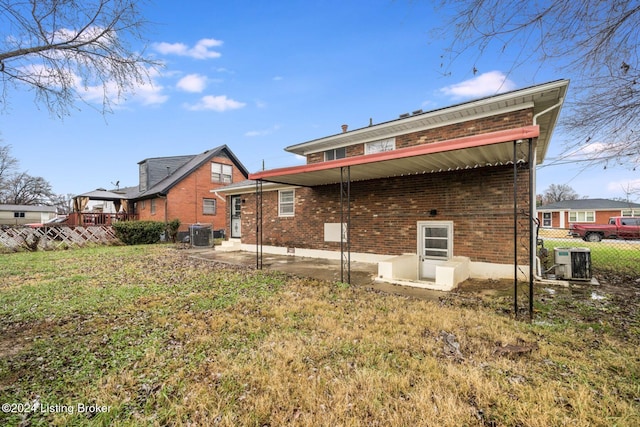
(216, 103)
(145, 93)
(194, 83)
(150, 94)
(483, 85)
(201, 50)
(262, 132)
(624, 185)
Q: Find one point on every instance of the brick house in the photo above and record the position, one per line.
(184, 187)
(594, 211)
(432, 197)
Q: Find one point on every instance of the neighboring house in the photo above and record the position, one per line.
(596, 211)
(26, 214)
(433, 197)
(176, 187)
(185, 187)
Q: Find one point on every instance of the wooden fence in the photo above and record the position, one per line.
(55, 237)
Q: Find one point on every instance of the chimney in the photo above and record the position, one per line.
(344, 128)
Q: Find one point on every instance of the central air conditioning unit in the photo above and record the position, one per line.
(573, 263)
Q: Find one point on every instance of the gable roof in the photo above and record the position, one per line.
(158, 168)
(594, 204)
(162, 187)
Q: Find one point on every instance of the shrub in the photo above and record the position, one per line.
(172, 229)
(139, 232)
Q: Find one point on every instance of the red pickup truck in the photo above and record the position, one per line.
(619, 227)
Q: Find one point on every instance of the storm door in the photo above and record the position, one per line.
(435, 246)
(236, 205)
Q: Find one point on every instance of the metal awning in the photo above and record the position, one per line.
(489, 149)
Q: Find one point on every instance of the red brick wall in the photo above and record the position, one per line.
(458, 130)
(385, 212)
(185, 199)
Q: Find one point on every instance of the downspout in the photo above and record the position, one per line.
(534, 260)
(166, 207)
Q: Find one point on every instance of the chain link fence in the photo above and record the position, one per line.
(607, 256)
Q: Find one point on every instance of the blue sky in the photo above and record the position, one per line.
(260, 76)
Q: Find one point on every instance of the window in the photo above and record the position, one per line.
(286, 199)
(380, 146)
(630, 221)
(18, 214)
(209, 206)
(153, 206)
(630, 212)
(338, 153)
(221, 173)
(582, 216)
(546, 219)
(437, 240)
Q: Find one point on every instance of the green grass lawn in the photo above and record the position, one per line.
(611, 255)
(147, 335)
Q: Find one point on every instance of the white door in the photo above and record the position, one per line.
(435, 246)
(236, 221)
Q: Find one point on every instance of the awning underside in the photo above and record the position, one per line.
(465, 153)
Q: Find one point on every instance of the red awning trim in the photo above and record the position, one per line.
(474, 141)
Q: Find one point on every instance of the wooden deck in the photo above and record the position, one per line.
(88, 219)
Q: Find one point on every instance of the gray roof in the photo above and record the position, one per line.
(595, 204)
(163, 186)
(28, 208)
(102, 194)
(180, 167)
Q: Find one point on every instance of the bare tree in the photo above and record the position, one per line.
(67, 50)
(8, 163)
(593, 42)
(63, 203)
(20, 188)
(24, 189)
(558, 193)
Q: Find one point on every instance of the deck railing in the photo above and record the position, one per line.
(88, 219)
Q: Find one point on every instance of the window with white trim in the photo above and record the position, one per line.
(630, 212)
(209, 206)
(153, 206)
(582, 216)
(221, 173)
(286, 202)
(337, 153)
(380, 146)
(546, 219)
(437, 240)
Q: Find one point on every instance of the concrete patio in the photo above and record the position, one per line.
(362, 274)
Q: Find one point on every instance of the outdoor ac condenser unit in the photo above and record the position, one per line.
(573, 263)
